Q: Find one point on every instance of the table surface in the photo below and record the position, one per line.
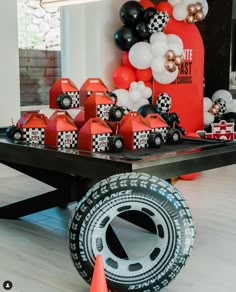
(189, 156)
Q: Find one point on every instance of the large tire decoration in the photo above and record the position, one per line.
(133, 197)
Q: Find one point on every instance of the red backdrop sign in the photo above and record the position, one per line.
(187, 90)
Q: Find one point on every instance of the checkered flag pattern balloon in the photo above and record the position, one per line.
(163, 102)
(222, 104)
(158, 22)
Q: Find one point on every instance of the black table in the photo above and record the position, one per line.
(72, 172)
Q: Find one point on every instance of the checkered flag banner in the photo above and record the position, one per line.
(158, 22)
(74, 97)
(67, 139)
(163, 102)
(33, 135)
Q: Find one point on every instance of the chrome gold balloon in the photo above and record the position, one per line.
(170, 55)
(170, 66)
(178, 60)
(191, 9)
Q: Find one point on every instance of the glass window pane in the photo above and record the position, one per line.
(39, 50)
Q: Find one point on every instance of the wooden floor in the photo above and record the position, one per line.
(35, 257)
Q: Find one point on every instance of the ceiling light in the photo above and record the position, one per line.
(57, 3)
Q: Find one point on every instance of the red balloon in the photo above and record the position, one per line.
(123, 76)
(149, 84)
(166, 7)
(144, 75)
(125, 60)
(146, 4)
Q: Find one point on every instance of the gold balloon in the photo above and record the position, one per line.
(199, 16)
(170, 55)
(214, 109)
(170, 66)
(190, 19)
(192, 9)
(178, 60)
(198, 6)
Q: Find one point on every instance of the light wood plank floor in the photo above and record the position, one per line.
(35, 257)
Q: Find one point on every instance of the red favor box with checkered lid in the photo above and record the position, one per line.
(98, 104)
(158, 125)
(90, 86)
(64, 94)
(33, 127)
(135, 131)
(79, 119)
(94, 136)
(61, 131)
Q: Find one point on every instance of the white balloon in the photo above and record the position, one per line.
(187, 2)
(207, 103)
(133, 85)
(158, 64)
(230, 107)
(159, 48)
(205, 8)
(140, 55)
(180, 12)
(208, 119)
(174, 38)
(174, 2)
(135, 96)
(122, 97)
(176, 47)
(165, 77)
(140, 103)
(222, 93)
(158, 36)
(146, 93)
(234, 106)
(140, 85)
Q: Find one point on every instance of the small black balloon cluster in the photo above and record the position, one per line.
(136, 22)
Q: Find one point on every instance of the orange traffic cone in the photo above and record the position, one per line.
(99, 283)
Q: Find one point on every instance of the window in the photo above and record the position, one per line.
(39, 51)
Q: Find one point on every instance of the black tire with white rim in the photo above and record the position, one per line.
(173, 136)
(112, 221)
(116, 113)
(64, 101)
(155, 140)
(9, 130)
(16, 134)
(116, 143)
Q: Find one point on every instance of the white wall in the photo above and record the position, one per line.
(88, 48)
(9, 64)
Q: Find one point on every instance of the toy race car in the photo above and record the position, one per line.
(30, 128)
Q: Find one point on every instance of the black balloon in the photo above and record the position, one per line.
(125, 38)
(230, 118)
(147, 109)
(149, 12)
(131, 12)
(142, 30)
